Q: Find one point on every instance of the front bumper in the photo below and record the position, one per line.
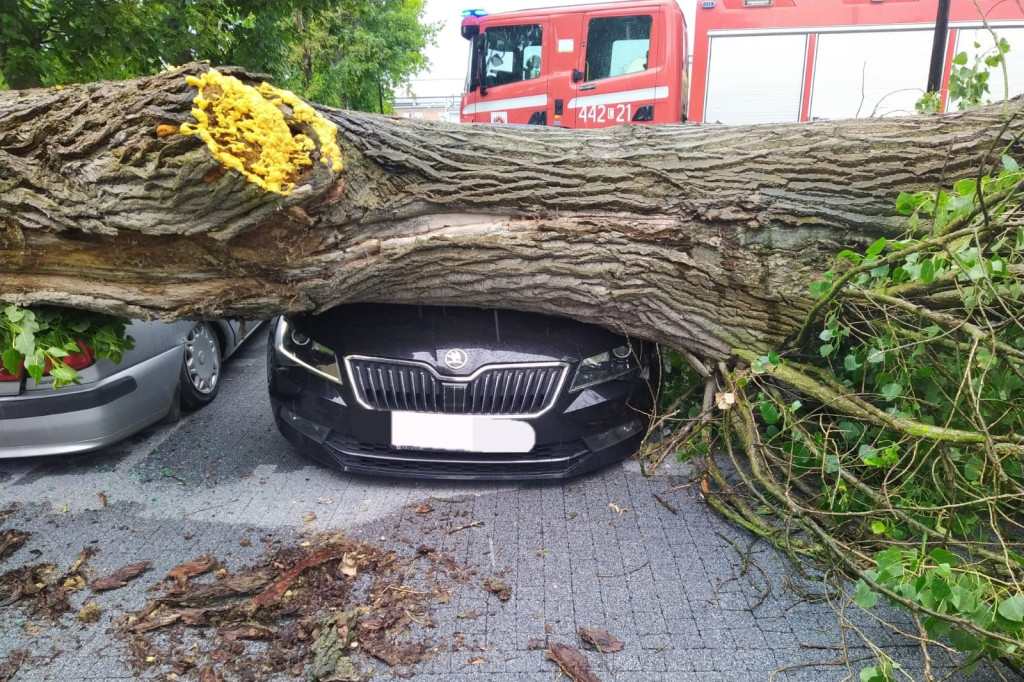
(584, 431)
(82, 418)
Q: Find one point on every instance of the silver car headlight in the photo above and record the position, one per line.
(302, 350)
(597, 369)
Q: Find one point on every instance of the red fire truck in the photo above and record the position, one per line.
(588, 66)
(764, 61)
(754, 61)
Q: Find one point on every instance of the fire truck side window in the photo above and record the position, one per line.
(617, 46)
(512, 54)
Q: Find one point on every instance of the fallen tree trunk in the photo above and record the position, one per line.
(702, 237)
(871, 421)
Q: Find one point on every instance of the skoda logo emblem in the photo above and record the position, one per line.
(455, 358)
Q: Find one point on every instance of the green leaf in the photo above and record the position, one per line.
(34, 370)
(11, 360)
(826, 349)
(769, 413)
(63, 375)
(819, 288)
(963, 641)
(928, 271)
(966, 186)
(960, 59)
(14, 313)
(936, 627)
(851, 363)
(831, 463)
(1009, 163)
(878, 527)
(942, 556)
(1012, 608)
(906, 204)
(25, 344)
(892, 390)
(877, 247)
(863, 596)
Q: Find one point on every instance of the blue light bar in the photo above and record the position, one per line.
(474, 13)
(708, 4)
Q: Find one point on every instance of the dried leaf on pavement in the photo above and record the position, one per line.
(498, 587)
(571, 662)
(11, 540)
(15, 659)
(424, 508)
(103, 498)
(83, 556)
(349, 566)
(601, 640)
(382, 620)
(535, 643)
(309, 517)
(120, 577)
(89, 613)
(190, 569)
(154, 622)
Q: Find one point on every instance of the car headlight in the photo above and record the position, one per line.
(302, 350)
(597, 369)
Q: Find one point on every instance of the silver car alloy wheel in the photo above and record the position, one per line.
(202, 358)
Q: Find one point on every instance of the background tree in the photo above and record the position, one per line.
(343, 53)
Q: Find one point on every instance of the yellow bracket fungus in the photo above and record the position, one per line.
(246, 129)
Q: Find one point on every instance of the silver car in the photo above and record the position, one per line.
(173, 366)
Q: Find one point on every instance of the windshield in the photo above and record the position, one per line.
(512, 54)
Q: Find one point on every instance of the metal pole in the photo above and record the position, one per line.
(939, 47)
(380, 92)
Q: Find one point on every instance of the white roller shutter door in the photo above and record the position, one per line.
(755, 79)
(869, 73)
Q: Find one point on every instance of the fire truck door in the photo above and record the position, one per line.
(617, 79)
(514, 88)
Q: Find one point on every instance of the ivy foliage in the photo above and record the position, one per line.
(342, 53)
(39, 340)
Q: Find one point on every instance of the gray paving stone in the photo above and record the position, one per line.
(666, 584)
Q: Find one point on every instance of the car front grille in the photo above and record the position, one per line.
(525, 389)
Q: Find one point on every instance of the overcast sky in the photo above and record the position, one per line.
(449, 59)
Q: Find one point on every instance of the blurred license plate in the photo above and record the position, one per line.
(465, 432)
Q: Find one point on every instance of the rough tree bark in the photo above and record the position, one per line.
(703, 237)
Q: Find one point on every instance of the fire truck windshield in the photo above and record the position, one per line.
(510, 54)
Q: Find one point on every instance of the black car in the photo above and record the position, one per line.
(444, 392)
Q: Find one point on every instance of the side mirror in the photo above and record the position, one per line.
(577, 75)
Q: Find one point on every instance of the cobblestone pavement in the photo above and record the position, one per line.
(670, 585)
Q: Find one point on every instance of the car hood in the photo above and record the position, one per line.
(428, 333)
